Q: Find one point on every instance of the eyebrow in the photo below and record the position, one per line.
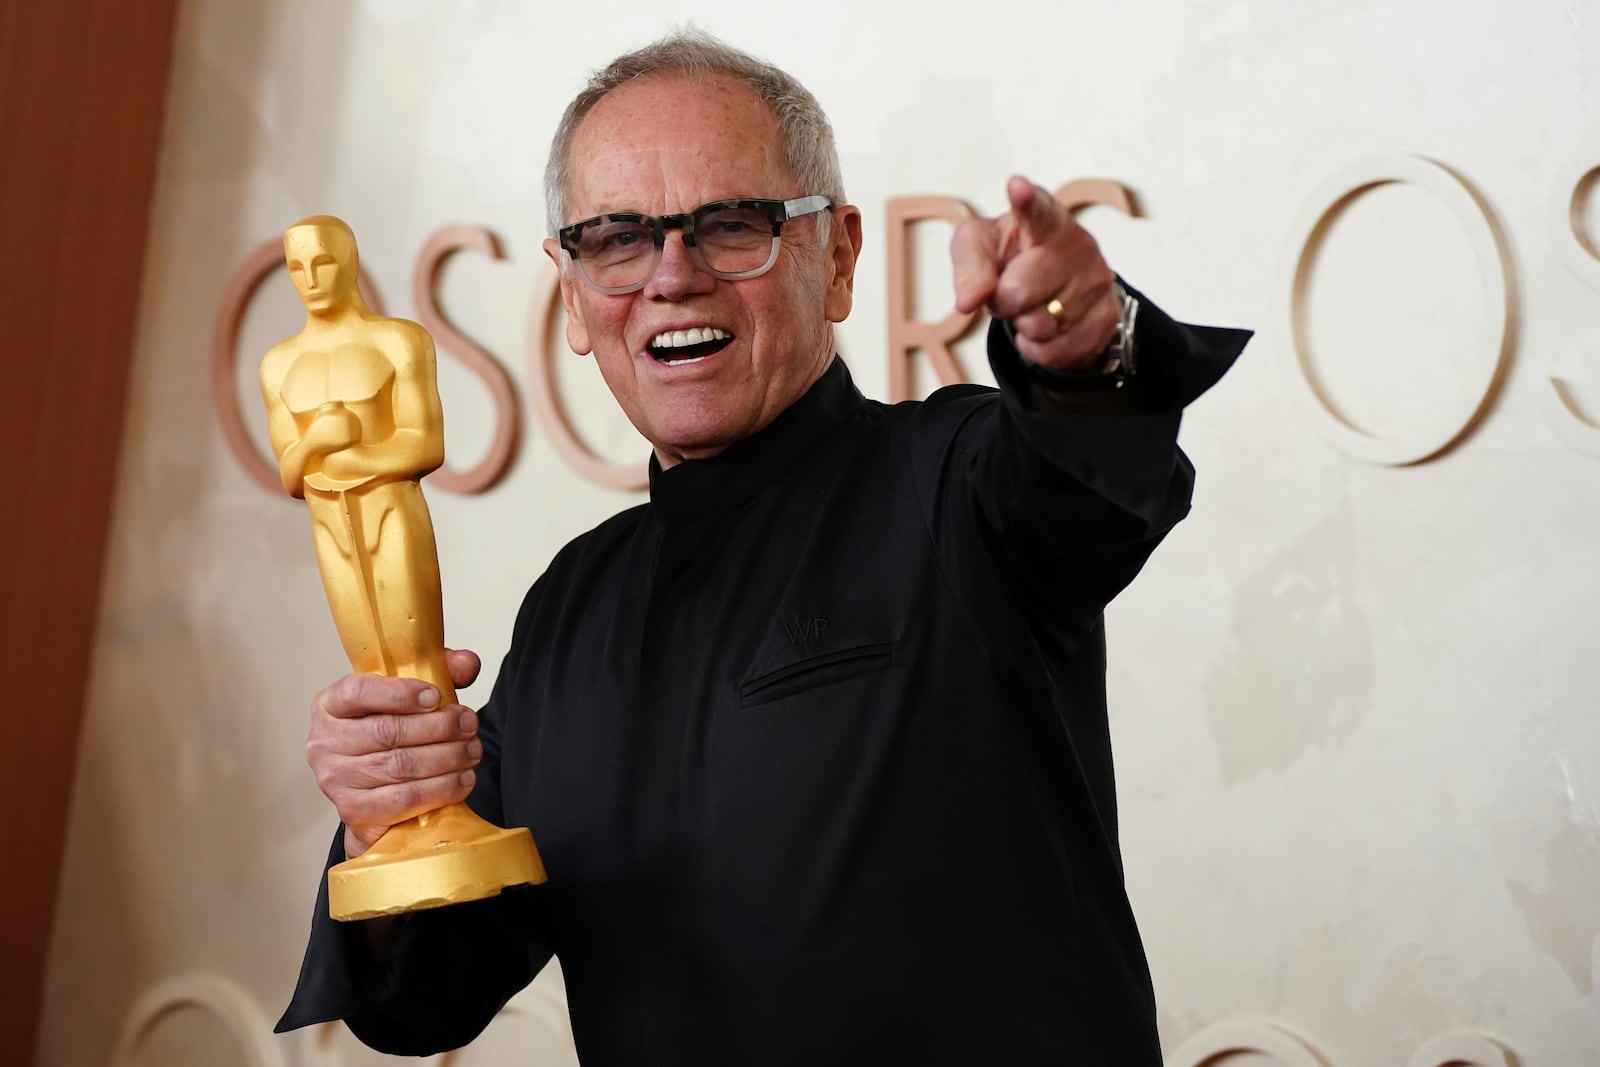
(612, 209)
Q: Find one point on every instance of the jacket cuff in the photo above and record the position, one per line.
(337, 977)
(1120, 443)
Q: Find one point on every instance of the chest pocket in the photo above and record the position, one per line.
(808, 654)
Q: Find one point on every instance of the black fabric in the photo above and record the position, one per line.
(814, 746)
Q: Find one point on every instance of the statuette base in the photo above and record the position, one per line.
(448, 856)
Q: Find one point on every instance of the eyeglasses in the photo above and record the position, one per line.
(618, 253)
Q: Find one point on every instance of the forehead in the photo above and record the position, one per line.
(668, 143)
(314, 240)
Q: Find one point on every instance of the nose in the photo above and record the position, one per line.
(678, 276)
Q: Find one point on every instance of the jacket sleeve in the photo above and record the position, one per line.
(434, 979)
(1054, 501)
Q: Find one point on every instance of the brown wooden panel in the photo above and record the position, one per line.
(82, 91)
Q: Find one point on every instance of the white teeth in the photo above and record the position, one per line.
(697, 335)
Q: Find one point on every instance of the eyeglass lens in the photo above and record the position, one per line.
(730, 240)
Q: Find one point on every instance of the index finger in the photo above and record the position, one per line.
(356, 695)
(1038, 215)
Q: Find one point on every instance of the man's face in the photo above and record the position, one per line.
(663, 145)
(319, 262)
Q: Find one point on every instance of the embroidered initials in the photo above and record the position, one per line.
(805, 629)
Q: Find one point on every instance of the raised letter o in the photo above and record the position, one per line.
(1488, 354)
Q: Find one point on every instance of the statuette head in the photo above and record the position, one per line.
(320, 252)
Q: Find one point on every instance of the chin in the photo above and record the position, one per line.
(698, 431)
(700, 448)
(702, 443)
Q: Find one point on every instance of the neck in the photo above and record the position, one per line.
(336, 316)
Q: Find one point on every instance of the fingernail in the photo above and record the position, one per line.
(469, 722)
(475, 748)
(428, 698)
(467, 778)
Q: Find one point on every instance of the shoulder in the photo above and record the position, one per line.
(944, 413)
(587, 557)
(603, 543)
(965, 395)
(275, 364)
(586, 565)
(401, 332)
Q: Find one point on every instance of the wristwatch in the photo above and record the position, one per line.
(1116, 365)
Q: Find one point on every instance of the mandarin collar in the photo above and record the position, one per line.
(698, 489)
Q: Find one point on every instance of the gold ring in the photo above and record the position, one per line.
(1058, 313)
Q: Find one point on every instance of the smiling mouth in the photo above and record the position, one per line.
(676, 347)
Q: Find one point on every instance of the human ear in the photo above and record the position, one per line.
(845, 246)
(577, 328)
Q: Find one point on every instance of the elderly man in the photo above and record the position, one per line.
(814, 743)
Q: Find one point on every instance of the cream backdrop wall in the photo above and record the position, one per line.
(1354, 705)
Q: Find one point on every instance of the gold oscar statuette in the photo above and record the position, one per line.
(353, 413)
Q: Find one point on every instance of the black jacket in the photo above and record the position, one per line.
(814, 746)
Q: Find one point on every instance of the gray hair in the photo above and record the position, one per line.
(807, 136)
